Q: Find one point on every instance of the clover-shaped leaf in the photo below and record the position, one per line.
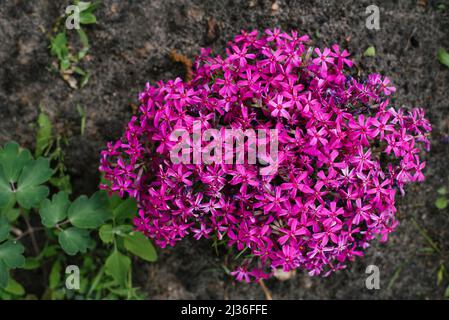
(74, 240)
(90, 213)
(21, 177)
(11, 256)
(6, 195)
(30, 191)
(12, 160)
(4, 229)
(54, 211)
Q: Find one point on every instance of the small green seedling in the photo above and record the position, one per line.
(60, 47)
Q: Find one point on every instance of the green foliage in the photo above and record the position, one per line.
(50, 145)
(443, 57)
(74, 240)
(442, 201)
(22, 177)
(118, 266)
(96, 231)
(370, 52)
(30, 191)
(90, 213)
(83, 116)
(138, 244)
(61, 44)
(54, 211)
(11, 257)
(44, 133)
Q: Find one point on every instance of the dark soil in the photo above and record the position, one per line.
(131, 45)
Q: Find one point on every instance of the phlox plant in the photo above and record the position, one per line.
(344, 153)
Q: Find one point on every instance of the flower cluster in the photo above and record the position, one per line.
(343, 155)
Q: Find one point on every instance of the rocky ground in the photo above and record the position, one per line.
(130, 45)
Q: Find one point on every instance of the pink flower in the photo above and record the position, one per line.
(343, 153)
(279, 107)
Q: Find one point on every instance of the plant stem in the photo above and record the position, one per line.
(32, 236)
(267, 292)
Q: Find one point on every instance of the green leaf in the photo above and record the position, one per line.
(50, 251)
(139, 245)
(62, 183)
(44, 134)
(114, 200)
(11, 254)
(440, 275)
(443, 56)
(7, 196)
(370, 52)
(32, 196)
(58, 46)
(79, 71)
(123, 230)
(89, 213)
(106, 233)
(442, 191)
(85, 42)
(82, 112)
(4, 229)
(441, 203)
(14, 287)
(32, 263)
(87, 18)
(10, 213)
(127, 209)
(65, 64)
(54, 211)
(446, 293)
(84, 80)
(426, 250)
(74, 240)
(13, 159)
(30, 193)
(35, 173)
(55, 275)
(86, 6)
(117, 266)
(4, 275)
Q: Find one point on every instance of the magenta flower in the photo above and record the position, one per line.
(279, 107)
(344, 152)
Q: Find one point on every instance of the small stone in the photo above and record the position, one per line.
(196, 14)
(213, 30)
(282, 275)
